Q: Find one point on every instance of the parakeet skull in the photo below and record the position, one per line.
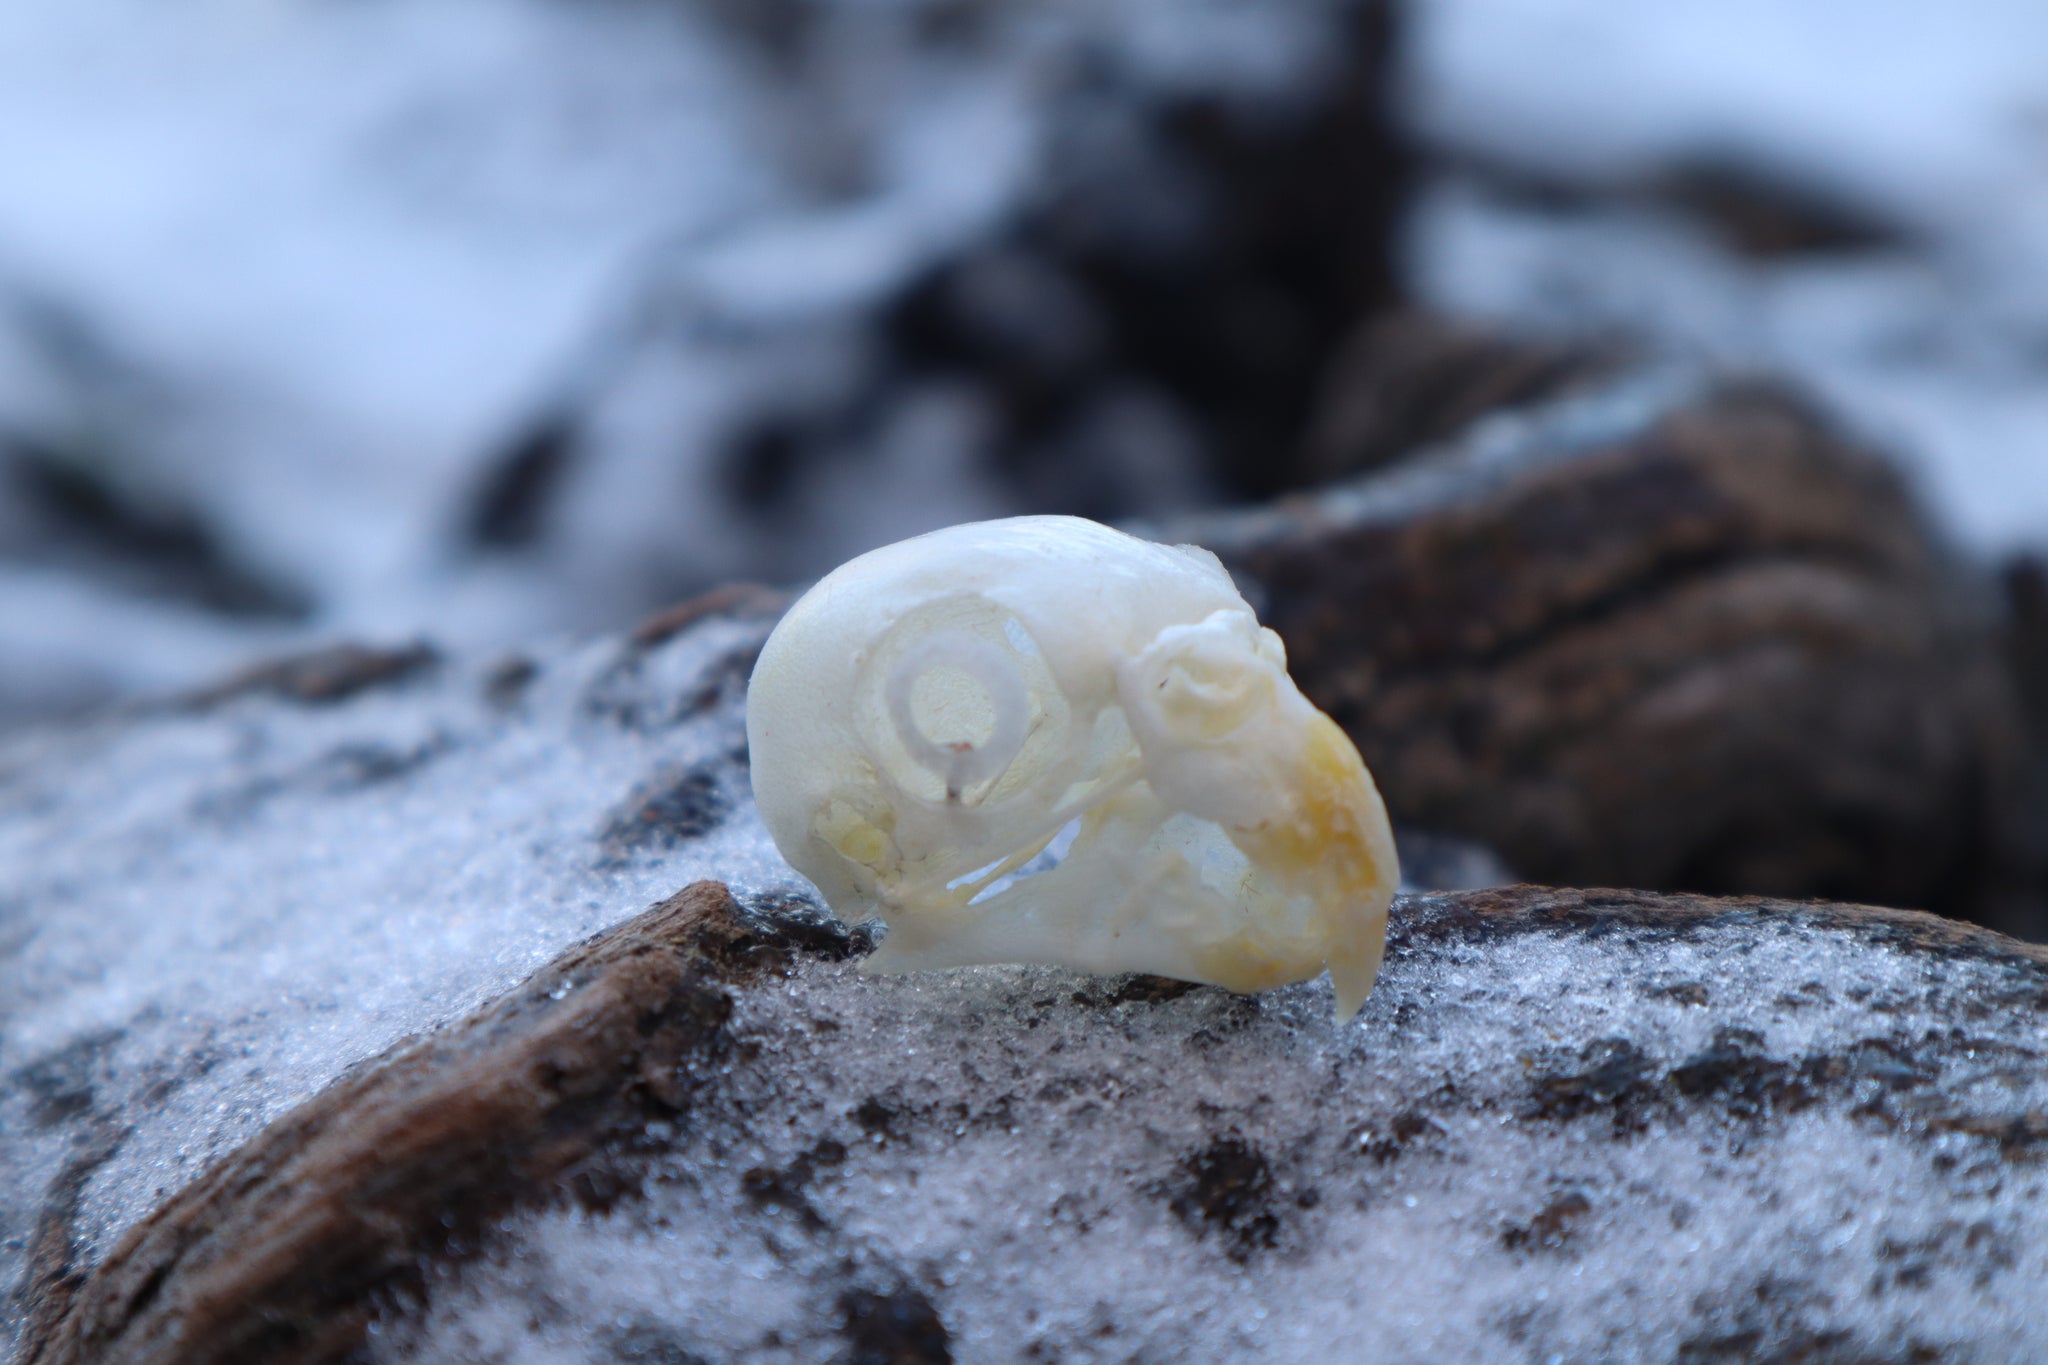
(1043, 740)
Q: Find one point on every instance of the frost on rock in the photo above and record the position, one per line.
(1588, 1125)
(1566, 1125)
(210, 909)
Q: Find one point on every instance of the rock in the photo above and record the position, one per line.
(2026, 592)
(1587, 1124)
(1184, 284)
(285, 1250)
(322, 676)
(211, 909)
(1678, 190)
(330, 1028)
(1408, 380)
(1669, 634)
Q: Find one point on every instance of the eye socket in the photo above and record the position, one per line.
(959, 708)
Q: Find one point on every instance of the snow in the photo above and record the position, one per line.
(220, 910)
(1012, 1155)
(310, 273)
(207, 913)
(350, 255)
(1933, 127)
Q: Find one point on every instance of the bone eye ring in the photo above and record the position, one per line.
(1042, 740)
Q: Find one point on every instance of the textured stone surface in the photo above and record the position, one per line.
(1664, 634)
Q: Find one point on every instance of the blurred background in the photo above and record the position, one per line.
(488, 321)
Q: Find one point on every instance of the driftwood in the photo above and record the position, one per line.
(1666, 636)
(288, 1249)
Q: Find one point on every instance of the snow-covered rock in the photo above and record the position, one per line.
(1566, 1124)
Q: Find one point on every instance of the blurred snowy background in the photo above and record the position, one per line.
(484, 319)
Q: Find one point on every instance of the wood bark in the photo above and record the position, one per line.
(288, 1249)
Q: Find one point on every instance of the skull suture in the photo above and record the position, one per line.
(935, 720)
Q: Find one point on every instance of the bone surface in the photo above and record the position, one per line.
(1041, 740)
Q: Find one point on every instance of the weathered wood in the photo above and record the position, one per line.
(286, 1250)
(734, 599)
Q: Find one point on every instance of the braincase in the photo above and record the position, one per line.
(957, 682)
